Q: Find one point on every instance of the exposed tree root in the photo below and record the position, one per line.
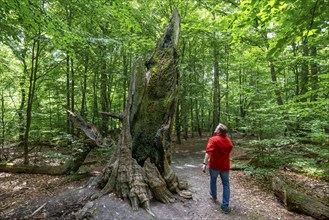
(140, 167)
(157, 183)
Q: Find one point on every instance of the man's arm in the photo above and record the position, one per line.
(205, 162)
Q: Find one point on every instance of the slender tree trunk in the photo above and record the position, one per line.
(227, 55)
(50, 109)
(204, 121)
(125, 74)
(195, 99)
(22, 104)
(305, 72)
(2, 138)
(241, 105)
(68, 95)
(191, 115)
(274, 81)
(197, 118)
(72, 86)
(185, 117)
(84, 87)
(69, 65)
(202, 113)
(72, 104)
(178, 123)
(95, 99)
(178, 116)
(32, 80)
(185, 102)
(314, 73)
(192, 97)
(273, 75)
(112, 85)
(296, 72)
(104, 91)
(191, 90)
(216, 94)
(286, 82)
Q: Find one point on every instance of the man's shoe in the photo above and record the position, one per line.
(226, 210)
(214, 199)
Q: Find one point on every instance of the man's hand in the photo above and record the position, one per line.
(204, 167)
(205, 162)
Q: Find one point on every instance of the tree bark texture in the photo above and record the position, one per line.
(304, 74)
(279, 100)
(314, 73)
(32, 86)
(140, 166)
(298, 201)
(216, 94)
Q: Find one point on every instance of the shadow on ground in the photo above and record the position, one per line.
(248, 200)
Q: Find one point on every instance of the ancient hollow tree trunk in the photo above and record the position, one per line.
(141, 162)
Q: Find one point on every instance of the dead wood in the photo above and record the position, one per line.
(113, 115)
(70, 166)
(89, 129)
(298, 201)
(140, 167)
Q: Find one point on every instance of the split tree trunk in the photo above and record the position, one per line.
(140, 166)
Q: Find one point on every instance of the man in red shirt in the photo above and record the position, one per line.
(217, 157)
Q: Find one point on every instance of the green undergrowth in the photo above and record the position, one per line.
(102, 154)
(98, 156)
(76, 177)
(289, 154)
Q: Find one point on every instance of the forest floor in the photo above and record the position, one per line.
(24, 196)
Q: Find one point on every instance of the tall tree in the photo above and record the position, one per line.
(143, 154)
(216, 94)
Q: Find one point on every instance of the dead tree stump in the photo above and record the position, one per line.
(140, 167)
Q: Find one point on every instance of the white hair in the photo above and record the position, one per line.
(221, 129)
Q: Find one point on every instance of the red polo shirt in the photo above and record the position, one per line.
(219, 148)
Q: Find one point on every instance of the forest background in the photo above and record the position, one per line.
(260, 67)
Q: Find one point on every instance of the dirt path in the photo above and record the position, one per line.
(21, 195)
(248, 199)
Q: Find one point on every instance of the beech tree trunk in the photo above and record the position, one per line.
(216, 93)
(140, 166)
(32, 86)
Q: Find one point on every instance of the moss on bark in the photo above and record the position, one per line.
(140, 167)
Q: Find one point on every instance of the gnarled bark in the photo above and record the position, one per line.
(140, 167)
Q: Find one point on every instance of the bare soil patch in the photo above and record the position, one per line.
(21, 195)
